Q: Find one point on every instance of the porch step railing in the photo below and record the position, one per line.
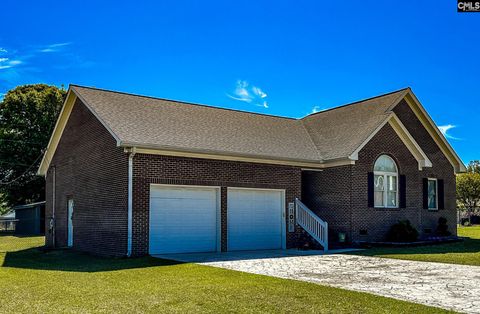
(312, 224)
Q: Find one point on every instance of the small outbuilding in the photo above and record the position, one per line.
(30, 218)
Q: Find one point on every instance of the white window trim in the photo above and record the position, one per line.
(436, 195)
(386, 174)
(385, 192)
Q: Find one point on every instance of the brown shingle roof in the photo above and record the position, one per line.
(339, 131)
(154, 122)
(166, 124)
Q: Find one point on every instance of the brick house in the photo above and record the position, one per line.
(130, 175)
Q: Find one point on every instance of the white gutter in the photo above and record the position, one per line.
(131, 153)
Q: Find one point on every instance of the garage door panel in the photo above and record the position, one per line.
(183, 219)
(254, 219)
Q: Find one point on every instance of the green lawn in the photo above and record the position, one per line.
(466, 252)
(65, 281)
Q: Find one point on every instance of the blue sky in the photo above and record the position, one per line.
(282, 58)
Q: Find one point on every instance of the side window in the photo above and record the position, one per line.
(432, 194)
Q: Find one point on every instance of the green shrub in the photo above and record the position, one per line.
(442, 228)
(402, 231)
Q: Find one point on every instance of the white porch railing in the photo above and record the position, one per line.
(311, 223)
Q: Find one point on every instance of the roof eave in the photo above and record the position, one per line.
(57, 131)
(142, 148)
(60, 124)
(180, 150)
(437, 136)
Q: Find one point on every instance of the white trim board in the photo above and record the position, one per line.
(404, 135)
(432, 129)
(57, 132)
(60, 125)
(332, 163)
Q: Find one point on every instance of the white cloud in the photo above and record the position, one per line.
(252, 95)
(54, 47)
(9, 64)
(316, 109)
(3, 50)
(445, 129)
(257, 91)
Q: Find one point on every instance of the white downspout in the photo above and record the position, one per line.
(53, 205)
(130, 200)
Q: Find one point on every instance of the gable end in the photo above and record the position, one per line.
(421, 114)
(404, 135)
(60, 127)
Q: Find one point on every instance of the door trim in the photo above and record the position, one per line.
(70, 211)
(217, 210)
(283, 211)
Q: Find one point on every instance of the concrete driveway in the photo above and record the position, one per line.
(453, 287)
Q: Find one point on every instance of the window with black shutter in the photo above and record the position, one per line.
(441, 194)
(403, 191)
(425, 193)
(385, 183)
(370, 190)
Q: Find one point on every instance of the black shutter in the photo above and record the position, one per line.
(425, 193)
(441, 194)
(403, 191)
(370, 190)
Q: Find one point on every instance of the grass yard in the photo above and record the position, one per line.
(466, 252)
(66, 281)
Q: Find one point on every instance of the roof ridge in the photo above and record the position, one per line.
(237, 110)
(398, 99)
(183, 102)
(356, 102)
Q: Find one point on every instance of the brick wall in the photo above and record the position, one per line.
(442, 169)
(158, 169)
(339, 195)
(92, 170)
(327, 194)
(377, 221)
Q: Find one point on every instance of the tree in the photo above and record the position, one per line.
(27, 117)
(468, 188)
(474, 166)
(3, 205)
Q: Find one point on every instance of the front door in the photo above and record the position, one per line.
(70, 222)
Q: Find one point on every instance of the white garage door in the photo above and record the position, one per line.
(182, 219)
(255, 219)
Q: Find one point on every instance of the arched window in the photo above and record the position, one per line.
(385, 182)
